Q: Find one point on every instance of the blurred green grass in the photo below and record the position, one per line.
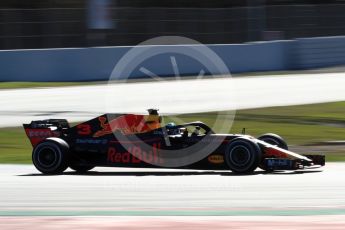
(298, 125)
(17, 85)
(14, 146)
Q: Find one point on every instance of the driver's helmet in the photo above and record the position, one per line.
(172, 128)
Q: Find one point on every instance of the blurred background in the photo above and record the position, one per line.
(287, 58)
(296, 50)
(82, 23)
(248, 35)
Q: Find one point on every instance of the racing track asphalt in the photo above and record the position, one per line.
(156, 192)
(83, 102)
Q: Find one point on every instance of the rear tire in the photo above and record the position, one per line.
(243, 155)
(51, 156)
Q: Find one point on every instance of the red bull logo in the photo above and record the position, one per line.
(127, 124)
(135, 155)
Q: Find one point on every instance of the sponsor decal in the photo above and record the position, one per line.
(92, 141)
(41, 133)
(216, 159)
(37, 135)
(279, 163)
(134, 155)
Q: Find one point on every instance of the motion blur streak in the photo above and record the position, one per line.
(190, 222)
(83, 102)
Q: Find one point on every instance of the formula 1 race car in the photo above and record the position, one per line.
(130, 140)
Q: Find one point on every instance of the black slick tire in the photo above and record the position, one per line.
(51, 156)
(243, 155)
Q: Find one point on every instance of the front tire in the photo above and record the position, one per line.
(243, 155)
(274, 139)
(51, 156)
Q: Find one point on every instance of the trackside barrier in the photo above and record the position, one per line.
(90, 64)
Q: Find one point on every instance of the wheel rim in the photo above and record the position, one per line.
(240, 155)
(47, 157)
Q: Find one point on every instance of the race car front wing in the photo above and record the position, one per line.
(272, 164)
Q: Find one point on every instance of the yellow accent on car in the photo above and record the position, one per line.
(216, 159)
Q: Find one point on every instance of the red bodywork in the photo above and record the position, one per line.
(37, 135)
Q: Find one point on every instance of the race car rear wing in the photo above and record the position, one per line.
(39, 130)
